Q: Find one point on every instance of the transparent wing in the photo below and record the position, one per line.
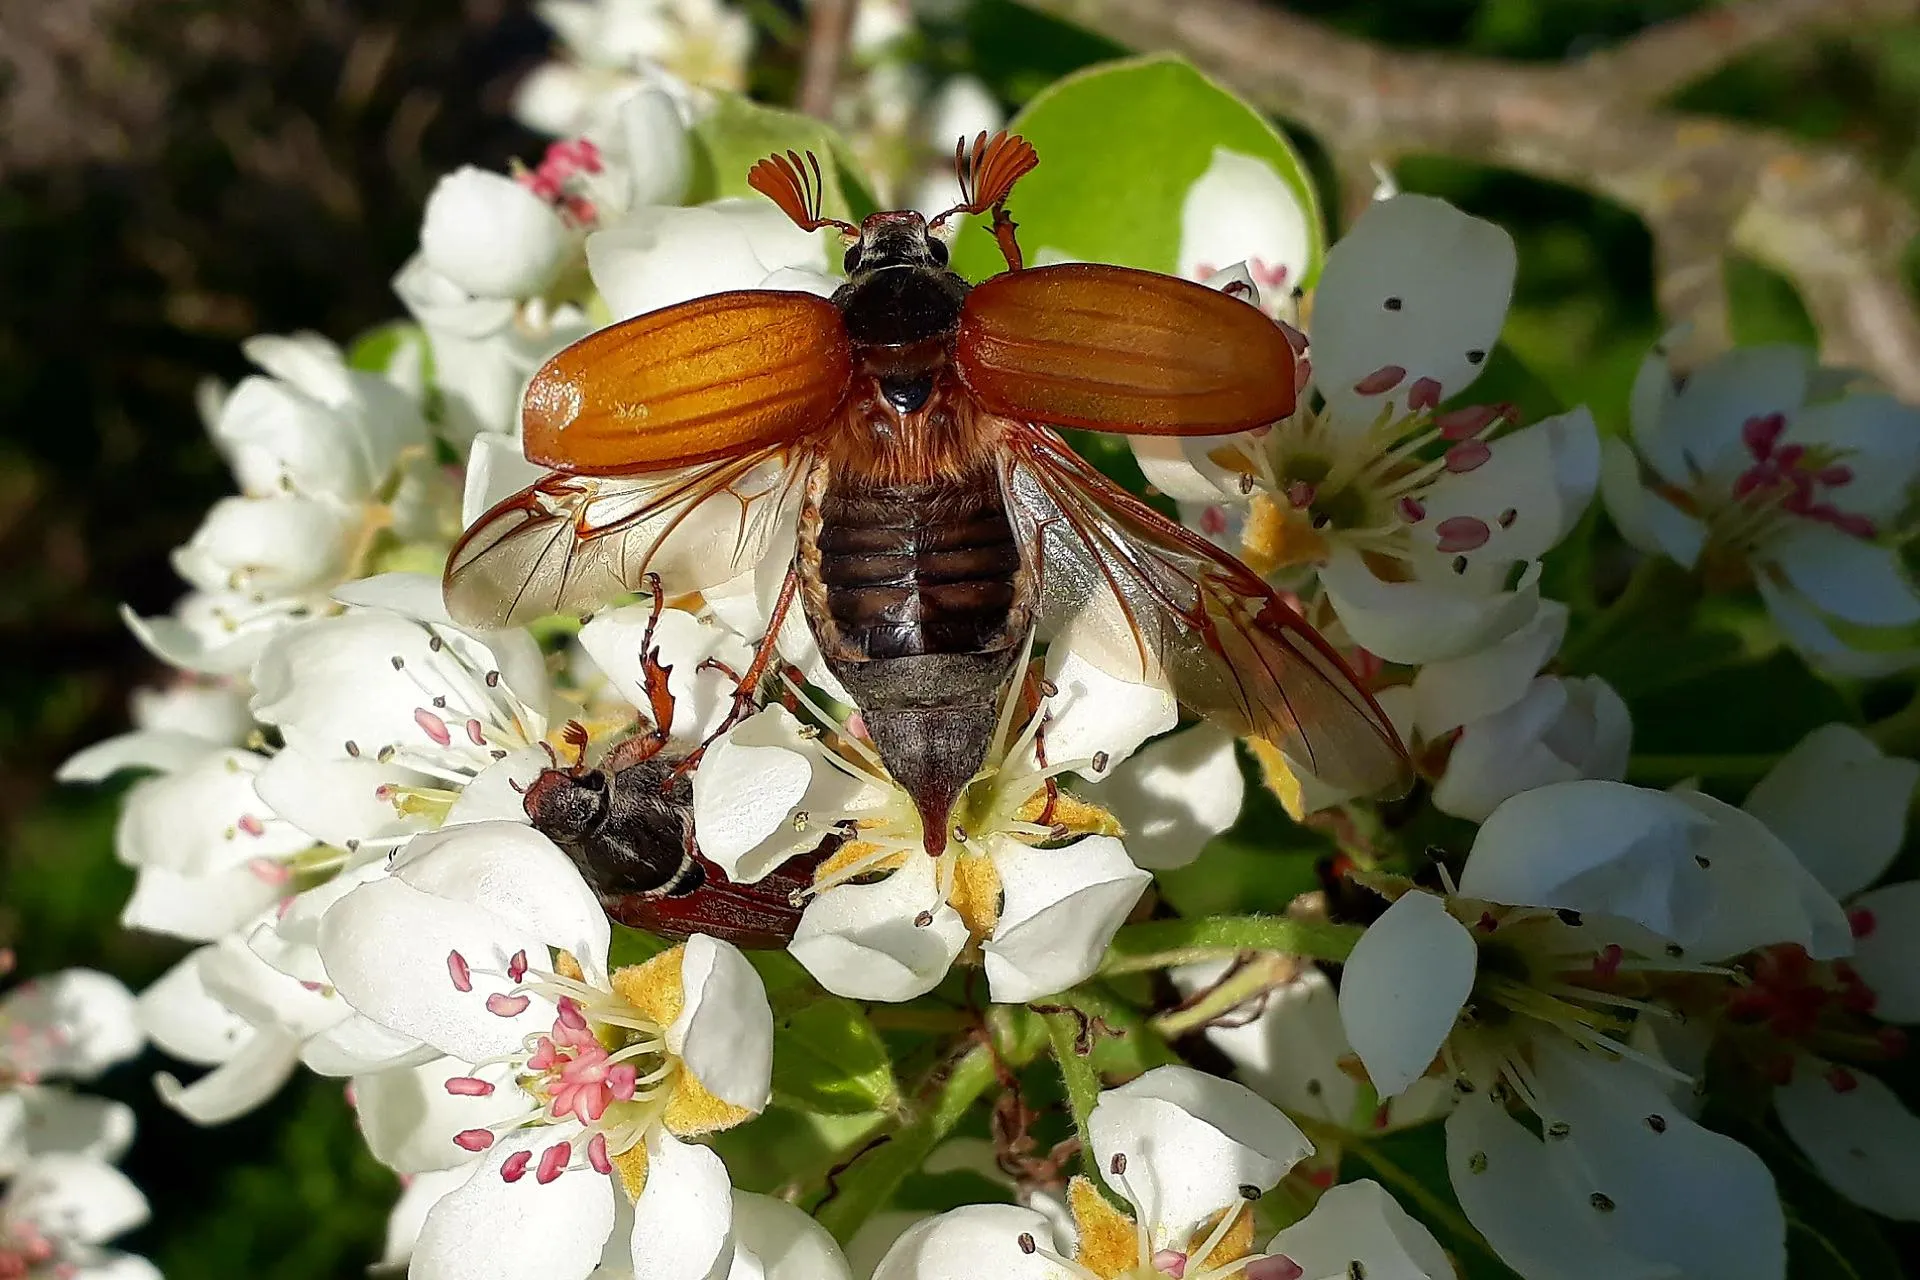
(570, 543)
(1146, 599)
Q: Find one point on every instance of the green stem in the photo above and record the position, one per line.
(1070, 1030)
(1160, 944)
(869, 1183)
(1265, 973)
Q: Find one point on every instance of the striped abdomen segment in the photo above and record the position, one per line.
(916, 569)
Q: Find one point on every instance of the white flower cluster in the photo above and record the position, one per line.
(355, 806)
(61, 1199)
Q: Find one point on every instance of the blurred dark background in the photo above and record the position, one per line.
(176, 175)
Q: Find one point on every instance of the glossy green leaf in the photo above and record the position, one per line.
(828, 1058)
(1120, 145)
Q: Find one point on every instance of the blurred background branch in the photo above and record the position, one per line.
(1704, 186)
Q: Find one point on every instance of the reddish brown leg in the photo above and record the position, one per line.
(748, 685)
(659, 697)
(1003, 229)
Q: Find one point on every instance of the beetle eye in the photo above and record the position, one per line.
(851, 263)
(938, 248)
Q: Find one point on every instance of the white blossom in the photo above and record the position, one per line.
(1761, 469)
(59, 1211)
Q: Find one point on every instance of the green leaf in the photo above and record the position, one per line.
(867, 1184)
(1159, 944)
(374, 350)
(1120, 144)
(828, 1058)
(737, 133)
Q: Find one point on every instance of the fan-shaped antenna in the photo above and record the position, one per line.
(794, 183)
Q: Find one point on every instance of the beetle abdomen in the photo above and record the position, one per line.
(919, 568)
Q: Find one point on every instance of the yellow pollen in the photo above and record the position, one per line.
(1279, 778)
(976, 893)
(1108, 1245)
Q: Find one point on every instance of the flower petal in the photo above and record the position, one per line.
(162, 750)
(1415, 283)
(1358, 1229)
(75, 1023)
(1474, 686)
(683, 1221)
(1645, 519)
(1240, 209)
(519, 877)
(788, 1244)
(1561, 730)
(1803, 628)
(724, 1033)
(1762, 893)
(753, 784)
(491, 235)
(358, 1045)
(36, 1121)
(409, 1117)
(1886, 948)
(1176, 794)
(658, 256)
(1096, 712)
(182, 1018)
(1844, 576)
(1880, 439)
(1420, 620)
(238, 1085)
(491, 1229)
(1531, 491)
(1403, 987)
(1190, 1141)
(75, 1199)
(1840, 804)
(198, 908)
(968, 1243)
(417, 1198)
(1700, 430)
(386, 947)
(1060, 910)
(343, 803)
(1862, 1139)
(861, 940)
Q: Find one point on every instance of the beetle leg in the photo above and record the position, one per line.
(748, 688)
(660, 700)
(1003, 229)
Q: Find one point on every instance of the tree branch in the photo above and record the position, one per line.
(1704, 186)
(829, 29)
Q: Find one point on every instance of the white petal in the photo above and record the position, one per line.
(1652, 394)
(1561, 730)
(1240, 209)
(1886, 952)
(1096, 712)
(1847, 577)
(518, 876)
(1190, 1142)
(268, 546)
(1179, 467)
(491, 1229)
(281, 439)
(386, 947)
(261, 994)
(199, 908)
(789, 1244)
(1700, 429)
(358, 1045)
(343, 803)
(1840, 804)
(724, 1033)
(658, 156)
(215, 633)
(290, 940)
(1645, 519)
(1403, 986)
(216, 713)
(76, 1199)
(1879, 438)
(1763, 894)
(490, 235)
(967, 1244)
(1452, 275)
(1598, 847)
(54, 1120)
(1532, 1204)
(1357, 1228)
(182, 1018)
(751, 788)
(1420, 620)
(1863, 1140)
(659, 256)
(683, 1221)
(165, 751)
(860, 940)
(237, 1085)
(409, 1118)
(204, 819)
(1803, 627)
(1448, 694)
(1531, 491)
(496, 470)
(1681, 1194)
(702, 699)
(417, 1198)
(1175, 795)
(76, 1022)
(1060, 910)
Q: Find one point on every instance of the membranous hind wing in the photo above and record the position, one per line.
(570, 543)
(1146, 599)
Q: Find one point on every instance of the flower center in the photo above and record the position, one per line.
(602, 1071)
(1794, 1001)
(1783, 482)
(24, 1251)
